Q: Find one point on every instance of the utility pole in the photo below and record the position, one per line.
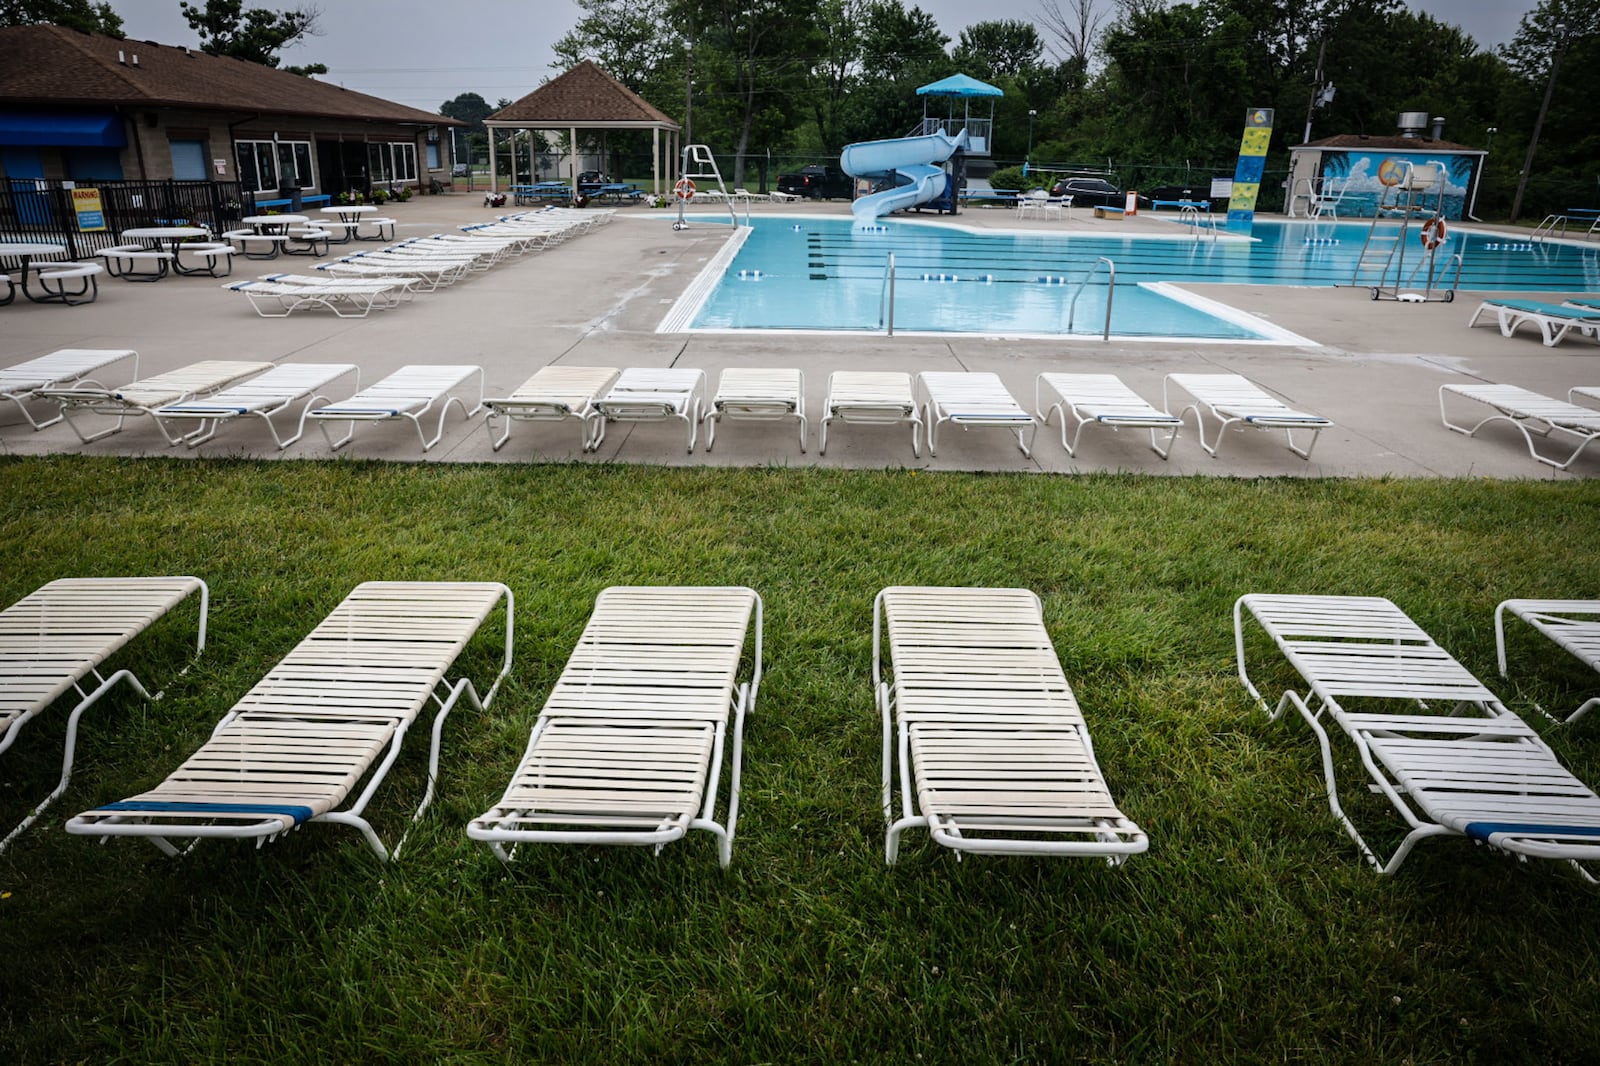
(1538, 124)
(1316, 89)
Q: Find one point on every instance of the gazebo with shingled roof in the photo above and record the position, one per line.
(586, 98)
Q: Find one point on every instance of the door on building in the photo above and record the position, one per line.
(188, 160)
(23, 166)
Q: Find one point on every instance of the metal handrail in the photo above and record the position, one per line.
(1548, 227)
(1111, 289)
(886, 291)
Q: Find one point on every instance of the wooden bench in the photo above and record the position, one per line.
(1108, 212)
(122, 261)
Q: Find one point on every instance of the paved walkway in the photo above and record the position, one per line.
(598, 300)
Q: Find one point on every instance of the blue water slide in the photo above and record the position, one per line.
(917, 160)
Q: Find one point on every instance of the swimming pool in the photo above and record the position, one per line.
(820, 274)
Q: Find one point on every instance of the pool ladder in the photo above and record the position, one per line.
(1111, 290)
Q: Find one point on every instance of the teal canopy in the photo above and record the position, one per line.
(959, 85)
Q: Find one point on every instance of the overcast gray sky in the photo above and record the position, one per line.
(424, 52)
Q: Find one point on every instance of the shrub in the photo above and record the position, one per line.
(1012, 178)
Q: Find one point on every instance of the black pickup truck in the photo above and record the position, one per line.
(818, 183)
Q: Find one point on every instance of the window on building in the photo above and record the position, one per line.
(264, 165)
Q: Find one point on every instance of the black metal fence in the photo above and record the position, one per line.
(42, 209)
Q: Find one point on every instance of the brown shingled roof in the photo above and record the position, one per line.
(53, 65)
(1390, 143)
(583, 96)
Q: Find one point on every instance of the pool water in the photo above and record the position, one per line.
(820, 274)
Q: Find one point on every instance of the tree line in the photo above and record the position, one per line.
(1131, 83)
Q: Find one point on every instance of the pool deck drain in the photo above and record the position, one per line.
(597, 300)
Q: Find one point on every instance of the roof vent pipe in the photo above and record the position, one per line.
(1438, 127)
(1412, 123)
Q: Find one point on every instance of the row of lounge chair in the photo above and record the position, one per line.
(594, 396)
(355, 285)
(211, 392)
(984, 744)
(207, 394)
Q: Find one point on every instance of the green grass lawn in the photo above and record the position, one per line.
(1249, 931)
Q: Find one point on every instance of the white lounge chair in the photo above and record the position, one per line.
(552, 394)
(1571, 624)
(55, 639)
(263, 396)
(870, 397)
(968, 399)
(1452, 760)
(643, 394)
(144, 396)
(409, 393)
(1232, 398)
(1531, 413)
(629, 746)
(982, 732)
(332, 714)
(1587, 392)
(63, 367)
(280, 299)
(1553, 321)
(1100, 400)
(758, 394)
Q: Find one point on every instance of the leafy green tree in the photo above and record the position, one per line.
(1001, 49)
(73, 14)
(1556, 53)
(630, 41)
(256, 35)
(468, 107)
(901, 49)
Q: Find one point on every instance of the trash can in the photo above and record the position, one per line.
(292, 194)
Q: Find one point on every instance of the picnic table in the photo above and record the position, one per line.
(25, 251)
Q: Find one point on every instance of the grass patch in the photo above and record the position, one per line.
(1250, 929)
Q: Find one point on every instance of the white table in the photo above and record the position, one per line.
(25, 251)
(274, 223)
(167, 239)
(350, 216)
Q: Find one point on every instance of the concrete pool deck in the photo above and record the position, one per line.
(1375, 370)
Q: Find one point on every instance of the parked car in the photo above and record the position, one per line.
(1089, 192)
(818, 183)
(460, 170)
(1195, 192)
(590, 180)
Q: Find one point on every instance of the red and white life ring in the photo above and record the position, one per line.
(1433, 233)
(684, 190)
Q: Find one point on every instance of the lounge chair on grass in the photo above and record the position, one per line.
(1553, 321)
(1571, 624)
(55, 639)
(1444, 751)
(409, 393)
(870, 397)
(331, 715)
(645, 394)
(1531, 413)
(552, 394)
(982, 732)
(145, 396)
(59, 369)
(264, 396)
(629, 746)
(1232, 398)
(760, 394)
(969, 399)
(1100, 400)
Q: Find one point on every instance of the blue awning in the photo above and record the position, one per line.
(61, 129)
(959, 85)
